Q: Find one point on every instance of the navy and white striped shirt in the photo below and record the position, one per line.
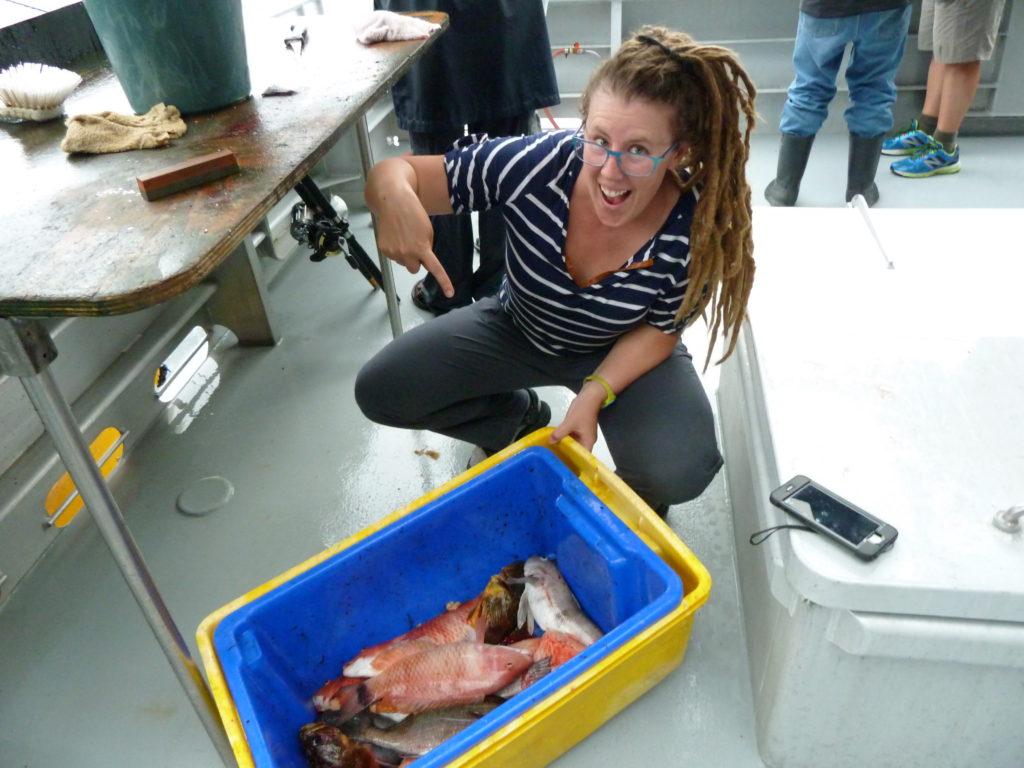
(531, 178)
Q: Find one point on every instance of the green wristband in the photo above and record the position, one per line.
(608, 391)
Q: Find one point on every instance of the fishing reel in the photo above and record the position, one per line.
(322, 225)
(318, 231)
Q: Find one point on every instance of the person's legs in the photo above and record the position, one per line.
(453, 236)
(661, 433)
(878, 48)
(918, 134)
(462, 375)
(933, 95)
(964, 36)
(959, 85)
(817, 54)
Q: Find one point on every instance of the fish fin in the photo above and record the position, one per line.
(477, 621)
(348, 702)
(524, 615)
(361, 666)
(540, 668)
(329, 690)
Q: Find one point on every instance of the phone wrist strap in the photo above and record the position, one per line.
(608, 391)
(759, 537)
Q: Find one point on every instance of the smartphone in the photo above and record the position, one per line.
(828, 513)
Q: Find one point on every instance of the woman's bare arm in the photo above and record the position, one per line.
(635, 353)
(403, 192)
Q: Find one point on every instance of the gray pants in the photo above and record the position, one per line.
(464, 375)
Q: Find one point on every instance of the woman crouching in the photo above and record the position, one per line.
(620, 235)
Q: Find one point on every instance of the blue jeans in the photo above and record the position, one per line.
(878, 39)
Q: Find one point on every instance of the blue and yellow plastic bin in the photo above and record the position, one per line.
(266, 653)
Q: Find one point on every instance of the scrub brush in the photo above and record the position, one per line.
(35, 91)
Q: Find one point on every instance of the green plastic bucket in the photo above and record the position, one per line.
(187, 54)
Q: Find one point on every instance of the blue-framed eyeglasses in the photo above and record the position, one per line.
(630, 163)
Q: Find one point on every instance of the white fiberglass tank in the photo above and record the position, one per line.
(902, 390)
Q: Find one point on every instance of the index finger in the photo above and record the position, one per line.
(433, 265)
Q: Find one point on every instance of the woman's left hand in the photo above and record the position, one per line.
(580, 420)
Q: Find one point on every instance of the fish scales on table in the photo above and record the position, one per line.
(549, 603)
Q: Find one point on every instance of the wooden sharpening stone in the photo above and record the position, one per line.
(191, 173)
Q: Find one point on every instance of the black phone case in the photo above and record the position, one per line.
(865, 550)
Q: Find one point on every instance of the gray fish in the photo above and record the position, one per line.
(417, 734)
(548, 601)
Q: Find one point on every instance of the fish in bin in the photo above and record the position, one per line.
(398, 699)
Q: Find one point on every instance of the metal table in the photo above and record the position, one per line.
(87, 243)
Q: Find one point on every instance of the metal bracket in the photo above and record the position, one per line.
(1009, 519)
(25, 347)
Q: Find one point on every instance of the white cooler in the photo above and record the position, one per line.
(901, 390)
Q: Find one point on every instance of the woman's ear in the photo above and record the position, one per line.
(681, 155)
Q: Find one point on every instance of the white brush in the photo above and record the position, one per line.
(35, 91)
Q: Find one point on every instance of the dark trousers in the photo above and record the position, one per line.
(464, 375)
(453, 235)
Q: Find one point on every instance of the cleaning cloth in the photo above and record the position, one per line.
(387, 26)
(114, 132)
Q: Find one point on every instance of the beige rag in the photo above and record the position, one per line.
(113, 132)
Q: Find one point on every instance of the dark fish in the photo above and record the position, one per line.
(417, 734)
(498, 605)
(327, 747)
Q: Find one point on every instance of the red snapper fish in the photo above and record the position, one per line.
(449, 627)
(549, 603)
(553, 647)
(439, 676)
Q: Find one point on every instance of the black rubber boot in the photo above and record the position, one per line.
(793, 154)
(860, 175)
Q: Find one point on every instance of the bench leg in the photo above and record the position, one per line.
(242, 301)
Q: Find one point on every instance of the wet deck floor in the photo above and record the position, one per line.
(85, 684)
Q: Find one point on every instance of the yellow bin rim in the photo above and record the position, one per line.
(660, 637)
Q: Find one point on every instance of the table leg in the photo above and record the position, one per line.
(390, 295)
(26, 351)
(242, 301)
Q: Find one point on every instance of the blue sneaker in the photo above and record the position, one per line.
(907, 143)
(930, 161)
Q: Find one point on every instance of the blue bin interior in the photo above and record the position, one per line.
(277, 650)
